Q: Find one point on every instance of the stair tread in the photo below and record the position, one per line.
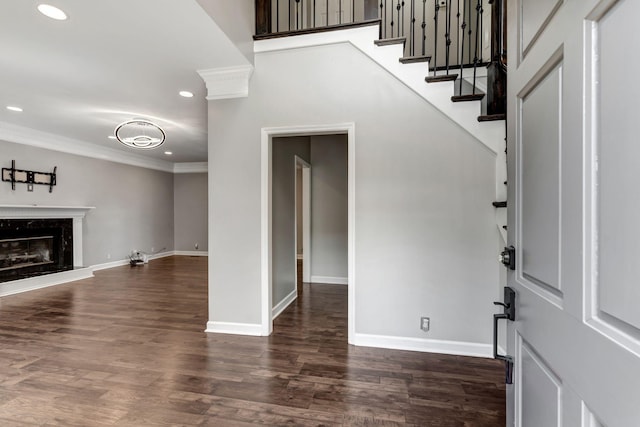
(492, 117)
(386, 42)
(468, 97)
(441, 78)
(499, 204)
(412, 59)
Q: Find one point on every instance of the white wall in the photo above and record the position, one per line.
(425, 229)
(283, 214)
(190, 212)
(134, 206)
(329, 252)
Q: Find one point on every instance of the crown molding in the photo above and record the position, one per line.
(35, 138)
(227, 82)
(193, 167)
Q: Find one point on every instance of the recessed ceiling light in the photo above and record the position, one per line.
(111, 137)
(52, 12)
(186, 94)
(12, 108)
(168, 153)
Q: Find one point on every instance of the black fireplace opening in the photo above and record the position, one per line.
(33, 247)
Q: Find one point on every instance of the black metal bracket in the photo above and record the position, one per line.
(14, 175)
(509, 313)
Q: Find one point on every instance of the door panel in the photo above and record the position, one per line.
(574, 214)
(618, 173)
(541, 391)
(534, 17)
(540, 192)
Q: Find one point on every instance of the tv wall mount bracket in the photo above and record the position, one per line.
(14, 175)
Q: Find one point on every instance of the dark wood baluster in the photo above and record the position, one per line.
(263, 16)
(497, 69)
(392, 22)
(458, 32)
(383, 19)
(481, 31)
(424, 27)
(296, 7)
(403, 33)
(435, 38)
(353, 10)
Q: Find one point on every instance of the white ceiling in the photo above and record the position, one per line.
(111, 61)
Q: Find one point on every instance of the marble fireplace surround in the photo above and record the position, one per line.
(77, 214)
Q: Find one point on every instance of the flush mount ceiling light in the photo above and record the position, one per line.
(168, 153)
(52, 12)
(139, 133)
(186, 94)
(16, 109)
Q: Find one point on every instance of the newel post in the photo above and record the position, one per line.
(263, 17)
(497, 69)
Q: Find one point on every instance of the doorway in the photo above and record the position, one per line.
(268, 217)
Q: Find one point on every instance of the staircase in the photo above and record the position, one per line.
(458, 91)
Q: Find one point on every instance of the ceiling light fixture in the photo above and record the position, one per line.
(186, 94)
(52, 12)
(168, 153)
(12, 108)
(139, 133)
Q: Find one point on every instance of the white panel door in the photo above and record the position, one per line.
(574, 212)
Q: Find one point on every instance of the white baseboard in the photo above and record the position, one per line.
(459, 348)
(234, 328)
(161, 255)
(111, 264)
(282, 305)
(191, 253)
(39, 282)
(329, 280)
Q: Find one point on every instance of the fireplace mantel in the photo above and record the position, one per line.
(76, 213)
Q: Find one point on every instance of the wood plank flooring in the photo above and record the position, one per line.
(127, 348)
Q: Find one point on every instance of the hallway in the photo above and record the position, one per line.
(126, 348)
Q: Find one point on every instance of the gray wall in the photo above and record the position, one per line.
(329, 251)
(134, 206)
(190, 211)
(425, 229)
(283, 213)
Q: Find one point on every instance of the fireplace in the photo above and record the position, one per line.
(33, 247)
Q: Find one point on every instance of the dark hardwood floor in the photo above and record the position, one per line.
(127, 348)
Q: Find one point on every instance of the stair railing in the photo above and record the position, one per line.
(446, 46)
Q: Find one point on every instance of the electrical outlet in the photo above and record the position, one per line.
(425, 323)
(196, 245)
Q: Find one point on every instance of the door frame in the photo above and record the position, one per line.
(266, 256)
(306, 218)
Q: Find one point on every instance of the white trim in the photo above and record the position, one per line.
(39, 282)
(425, 345)
(252, 329)
(328, 280)
(265, 218)
(227, 82)
(191, 253)
(112, 264)
(282, 305)
(192, 167)
(49, 141)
